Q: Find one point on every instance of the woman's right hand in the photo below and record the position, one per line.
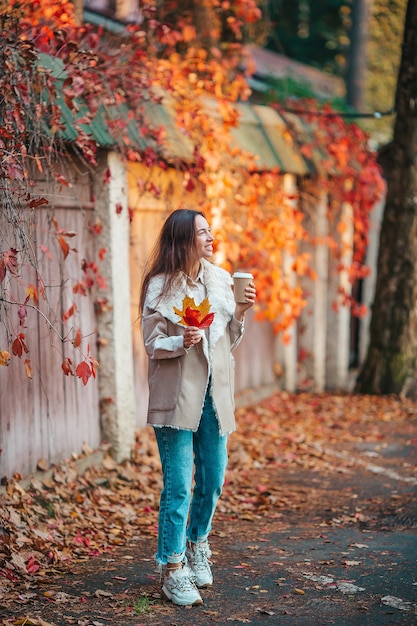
(192, 335)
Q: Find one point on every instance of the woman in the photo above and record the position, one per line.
(191, 403)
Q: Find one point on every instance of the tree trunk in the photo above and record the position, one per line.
(391, 362)
(357, 61)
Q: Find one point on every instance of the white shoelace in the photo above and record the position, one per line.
(183, 578)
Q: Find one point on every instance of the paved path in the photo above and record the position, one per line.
(344, 553)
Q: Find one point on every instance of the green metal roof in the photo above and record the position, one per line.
(111, 25)
(261, 131)
(175, 145)
(98, 128)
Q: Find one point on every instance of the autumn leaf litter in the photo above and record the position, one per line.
(69, 517)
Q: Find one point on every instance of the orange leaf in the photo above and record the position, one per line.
(62, 180)
(92, 361)
(80, 288)
(77, 339)
(4, 357)
(64, 246)
(188, 32)
(28, 368)
(69, 313)
(93, 366)
(32, 292)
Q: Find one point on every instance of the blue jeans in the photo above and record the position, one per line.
(179, 451)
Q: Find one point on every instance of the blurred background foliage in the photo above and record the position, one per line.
(320, 34)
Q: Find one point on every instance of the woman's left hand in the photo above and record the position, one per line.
(241, 307)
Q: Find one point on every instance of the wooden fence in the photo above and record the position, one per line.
(50, 416)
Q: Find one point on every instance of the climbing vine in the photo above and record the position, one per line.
(191, 54)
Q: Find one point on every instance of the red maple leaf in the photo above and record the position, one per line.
(193, 314)
(193, 318)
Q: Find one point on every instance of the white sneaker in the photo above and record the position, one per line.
(198, 556)
(180, 588)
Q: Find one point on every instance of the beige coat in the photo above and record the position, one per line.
(178, 378)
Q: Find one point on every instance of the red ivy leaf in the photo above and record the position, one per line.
(22, 314)
(80, 288)
(19, 345)
(62, 180)
(2, 270)
(37, 202)
(32, 567)
(10, 260)
(69, 313)
(190, 185)
(96, 228)
(46, 252)
(67, 367)
(83, 371)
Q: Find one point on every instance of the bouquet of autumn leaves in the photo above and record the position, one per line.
(193, 314)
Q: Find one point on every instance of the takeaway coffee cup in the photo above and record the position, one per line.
(241, 280)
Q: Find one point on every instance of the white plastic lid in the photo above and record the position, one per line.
(242, 275)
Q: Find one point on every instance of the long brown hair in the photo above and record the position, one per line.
(173, 251)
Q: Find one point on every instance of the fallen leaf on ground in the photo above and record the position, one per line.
(69, 517)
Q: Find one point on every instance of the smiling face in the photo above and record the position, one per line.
(203, 238)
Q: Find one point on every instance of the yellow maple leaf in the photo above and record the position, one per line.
(4, 357)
